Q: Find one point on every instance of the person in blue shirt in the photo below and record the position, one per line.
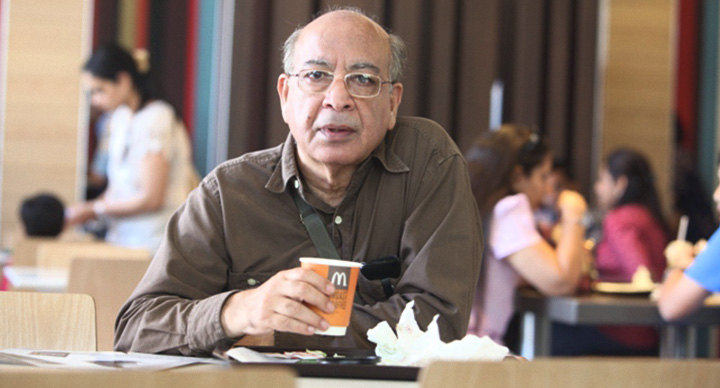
(692, 280)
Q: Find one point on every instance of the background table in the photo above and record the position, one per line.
(677, 338)
(27, 278)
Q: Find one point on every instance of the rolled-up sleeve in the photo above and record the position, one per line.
(176, 307)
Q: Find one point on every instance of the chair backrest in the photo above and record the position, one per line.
(24, 251)
(47, 321)
(110, 282)
(61, 254)
(567, 373)
(279, 376)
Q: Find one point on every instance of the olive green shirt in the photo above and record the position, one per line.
(411, 198)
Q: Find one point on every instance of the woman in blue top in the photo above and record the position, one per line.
(684, 290)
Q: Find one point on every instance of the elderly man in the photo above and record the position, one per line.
(383, 186)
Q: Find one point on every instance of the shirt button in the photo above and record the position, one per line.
(252, 281)
(338, 220)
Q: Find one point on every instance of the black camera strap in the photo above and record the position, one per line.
(315, 228)
(324, 245)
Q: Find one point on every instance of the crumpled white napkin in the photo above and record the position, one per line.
(414, 347)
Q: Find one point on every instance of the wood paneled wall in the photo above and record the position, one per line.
(638, 90)
(46, 43)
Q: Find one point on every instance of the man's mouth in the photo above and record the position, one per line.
(334, 131)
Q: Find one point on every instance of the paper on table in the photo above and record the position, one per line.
(414, 347)
(243, 354)
(99, 360)
(36, 279)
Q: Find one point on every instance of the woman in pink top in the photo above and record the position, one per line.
(634, 235)
(509, 170)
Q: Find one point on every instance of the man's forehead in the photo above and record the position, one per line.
(351, 65)
(342, 55)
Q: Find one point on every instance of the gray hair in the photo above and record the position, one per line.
(398, 50)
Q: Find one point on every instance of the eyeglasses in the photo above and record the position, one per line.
(360, 85)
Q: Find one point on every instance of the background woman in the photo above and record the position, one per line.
(634, 230)
(634, 234)
(509, 170)
(149, 170)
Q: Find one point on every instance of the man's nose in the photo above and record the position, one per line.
(337, 95)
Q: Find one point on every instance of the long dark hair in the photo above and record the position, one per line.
(110, 59)
(640, 189)
(493, 157)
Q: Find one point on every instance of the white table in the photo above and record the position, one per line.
(36, 279)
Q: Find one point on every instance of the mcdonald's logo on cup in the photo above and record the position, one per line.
(343, 275)
(339, 279)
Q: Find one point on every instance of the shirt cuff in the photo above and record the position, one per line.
(205, 329)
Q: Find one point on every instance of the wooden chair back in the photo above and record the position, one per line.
(38, 320)
(61, 254)
(110, 282)
(238, 377)
(571, 373)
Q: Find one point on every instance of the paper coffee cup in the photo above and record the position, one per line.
(343, 275)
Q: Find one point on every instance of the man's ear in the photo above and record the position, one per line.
(282, 89)
(395, 99)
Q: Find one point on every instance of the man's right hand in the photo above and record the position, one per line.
(280, 304)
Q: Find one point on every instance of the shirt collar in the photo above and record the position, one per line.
(286, 169)
(388, 158)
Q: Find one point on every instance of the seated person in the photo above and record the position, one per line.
(383, 186)
(690, 281)
(634, 235)
(42, 215)
(547, 215)
(509, 169)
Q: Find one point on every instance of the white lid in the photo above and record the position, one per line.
(330, 262)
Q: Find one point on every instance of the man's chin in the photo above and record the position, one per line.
(337, 157)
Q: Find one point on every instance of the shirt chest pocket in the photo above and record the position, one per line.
(246, 281)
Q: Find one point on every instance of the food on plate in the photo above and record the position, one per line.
(642, 279)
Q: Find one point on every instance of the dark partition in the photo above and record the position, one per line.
(543, 51)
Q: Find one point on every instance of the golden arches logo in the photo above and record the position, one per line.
(339, 279)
